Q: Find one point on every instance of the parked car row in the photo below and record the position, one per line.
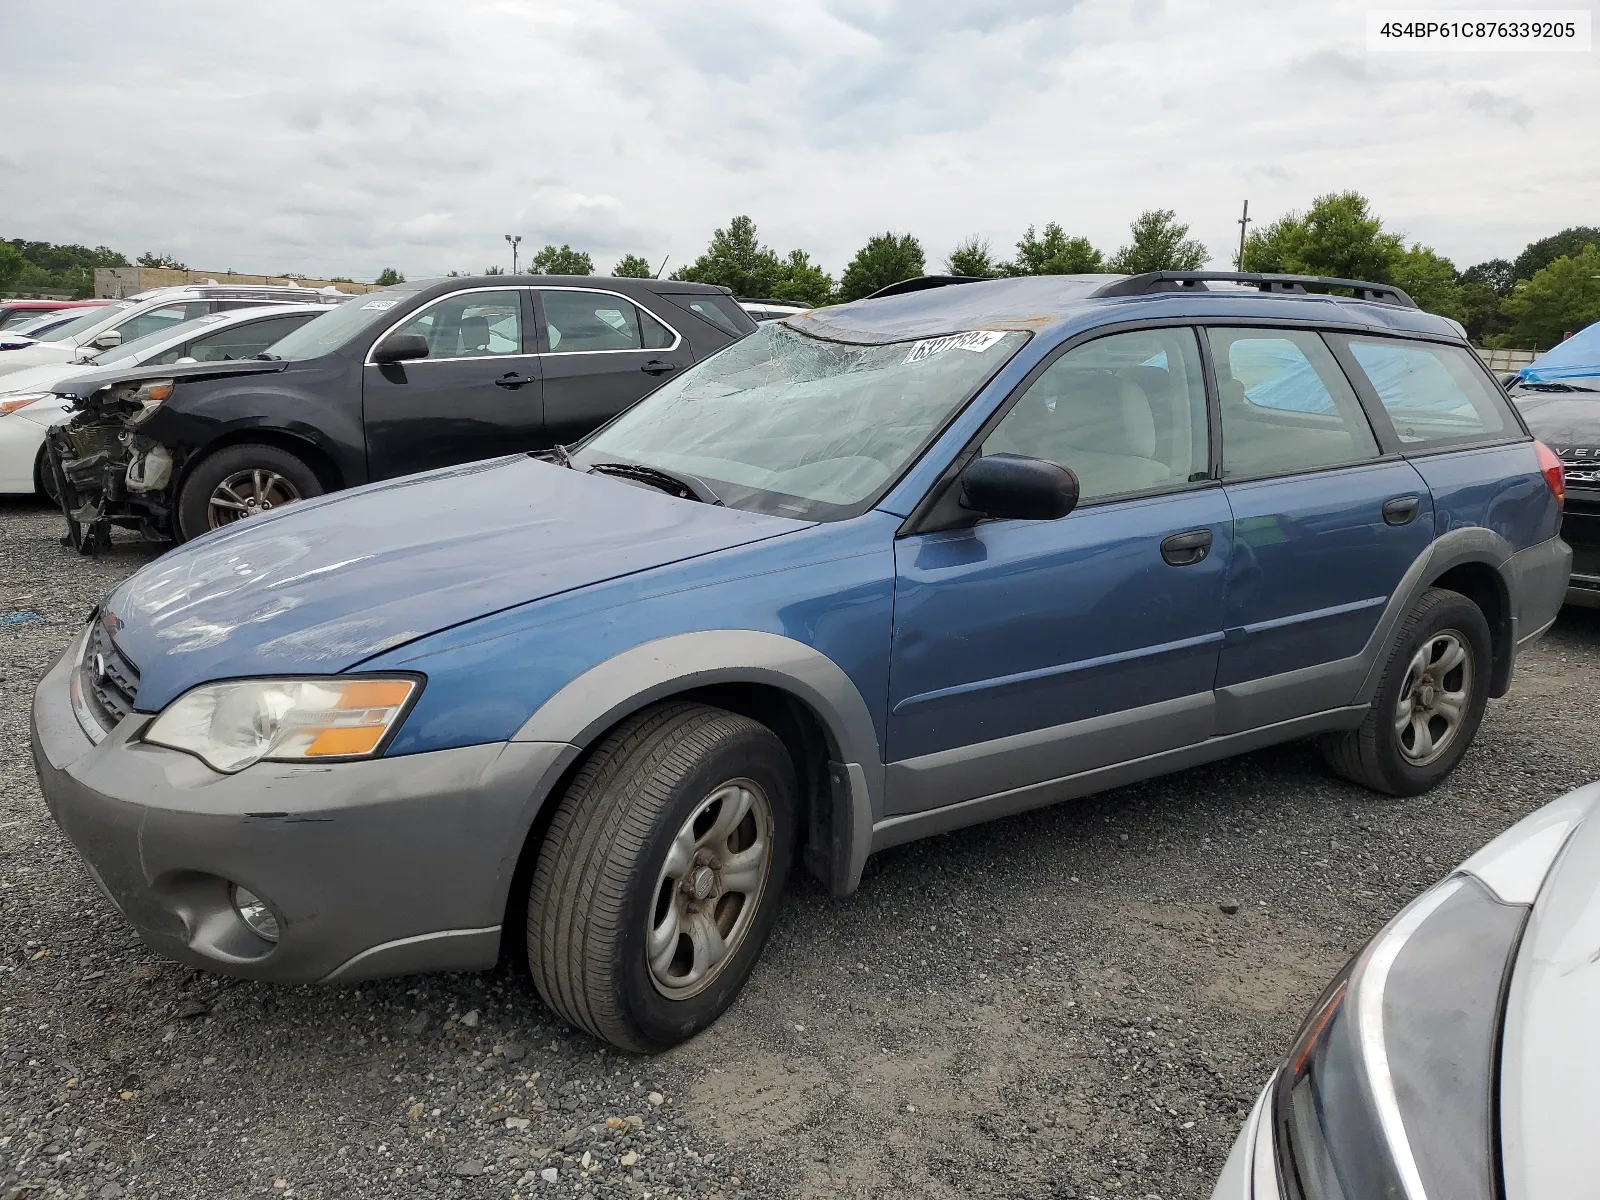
(407, 379)
(18, 312)
(868, 574)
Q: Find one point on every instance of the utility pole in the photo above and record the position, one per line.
(513, 239)
(1244, 219)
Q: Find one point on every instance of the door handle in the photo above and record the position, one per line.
(1186, 549)
(1400, 511)
(513, 380)
(656, 367)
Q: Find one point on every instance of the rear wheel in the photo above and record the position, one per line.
(239, 482)
(1429, 702)
(658, 881)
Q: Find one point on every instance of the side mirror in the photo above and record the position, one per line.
(400, 347)
(1018, 488)
(107, 340)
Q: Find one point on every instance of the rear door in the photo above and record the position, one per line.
(476, 395)
(1325, 525)
(602, 353)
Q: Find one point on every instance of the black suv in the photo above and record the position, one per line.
(406, 379)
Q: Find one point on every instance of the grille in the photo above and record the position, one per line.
(91, 439)
(109, 681)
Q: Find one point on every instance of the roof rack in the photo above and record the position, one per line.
(1195, 281)
(921, 283)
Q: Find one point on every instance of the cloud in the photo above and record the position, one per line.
(342, 138)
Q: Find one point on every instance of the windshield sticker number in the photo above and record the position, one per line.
(975, 340)
(380, 304)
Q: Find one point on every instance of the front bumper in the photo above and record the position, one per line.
(20, 440)
(1251, 1172)
(380, 867)
(1580, 526)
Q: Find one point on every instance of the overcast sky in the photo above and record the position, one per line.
(342, 137)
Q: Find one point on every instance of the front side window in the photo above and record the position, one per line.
(797, 426)
(1285, 404)
(577, 322)
(156, 319)
(1432, 393)
(471, 325)
(1125, 413)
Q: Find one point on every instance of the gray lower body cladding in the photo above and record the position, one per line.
(373, 868)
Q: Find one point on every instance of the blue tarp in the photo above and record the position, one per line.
(1576, 358)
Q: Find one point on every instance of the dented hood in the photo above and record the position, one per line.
(322, 585)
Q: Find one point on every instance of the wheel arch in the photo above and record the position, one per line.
(308, 449)
(794, 689)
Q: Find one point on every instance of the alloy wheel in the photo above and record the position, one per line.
(1434, 698)
(710, 888)
(248, 494)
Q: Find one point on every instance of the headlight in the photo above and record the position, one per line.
(231, 725)
(1390, 1088)
(10, 404)
(148, 396)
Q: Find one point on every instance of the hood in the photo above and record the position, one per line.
(319, 586)
(1567, 422)
(88, 380)
(1551, 1055)
(38, 354)
(39, 379)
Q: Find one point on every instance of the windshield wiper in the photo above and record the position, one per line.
(681, 484)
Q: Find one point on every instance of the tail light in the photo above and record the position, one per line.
(1555, 475)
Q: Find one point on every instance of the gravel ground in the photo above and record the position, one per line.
(1055, 1005)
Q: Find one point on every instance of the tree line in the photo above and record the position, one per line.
(1550, 289)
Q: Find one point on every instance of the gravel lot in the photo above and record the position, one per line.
(1055, 1005)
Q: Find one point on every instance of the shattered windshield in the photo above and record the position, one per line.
(790, 424)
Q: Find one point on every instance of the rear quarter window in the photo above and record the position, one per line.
(718, 311)
(1433, 395)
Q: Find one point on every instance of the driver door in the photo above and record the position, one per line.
(1027, 651)
(476, 395)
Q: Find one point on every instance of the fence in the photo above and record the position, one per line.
(1501, 361)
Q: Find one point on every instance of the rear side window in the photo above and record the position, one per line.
(720, 311)
(580, 322)
(1433, 394)
(1286, 406)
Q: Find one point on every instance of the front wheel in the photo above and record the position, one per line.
(1429, 702)
(241, 481)
(658, 881)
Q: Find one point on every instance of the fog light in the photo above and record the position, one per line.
(253, 911)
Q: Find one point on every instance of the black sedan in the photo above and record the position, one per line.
(406, 379)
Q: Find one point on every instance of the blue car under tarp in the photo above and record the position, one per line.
(1577, 358)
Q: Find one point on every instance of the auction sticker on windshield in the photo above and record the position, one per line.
(380, 304)
(975, 340)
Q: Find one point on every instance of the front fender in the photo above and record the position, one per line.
(593, 702)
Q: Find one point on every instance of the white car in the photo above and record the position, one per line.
(124, 320)
(28, 407)
(772, 310)
(1454, 1057)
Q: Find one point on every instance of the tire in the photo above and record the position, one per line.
(1403, 755)
(280, 475)
(602, 893)
(44, 479)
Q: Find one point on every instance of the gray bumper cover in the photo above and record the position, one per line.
(373, 868)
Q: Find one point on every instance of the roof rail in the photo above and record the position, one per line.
(921, 283)
(1195, 281)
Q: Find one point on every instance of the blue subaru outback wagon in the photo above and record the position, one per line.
(873, 573)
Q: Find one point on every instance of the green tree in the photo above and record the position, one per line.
(1338, 236)
(494, 270)
(1429, 279)
(59, 268)
(388, 277)
(1561, 298)
(147, 259)
(12, 264)
(632, 266)
(886, 258)
(737, 260)
(972, 257)
(1567, 244)
(1053, 254)
(1496, 274)
(802, 282)
(560, 260)
(1159, 244)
